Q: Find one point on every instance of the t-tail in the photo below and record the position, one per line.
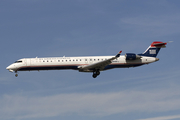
(154, 49)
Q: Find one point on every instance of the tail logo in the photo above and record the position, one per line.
(152, 51)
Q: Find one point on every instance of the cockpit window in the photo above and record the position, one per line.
(19, 61)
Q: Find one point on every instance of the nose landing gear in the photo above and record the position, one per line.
(16, 74)
(96, 73)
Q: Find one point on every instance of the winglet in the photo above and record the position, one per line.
(118, 54)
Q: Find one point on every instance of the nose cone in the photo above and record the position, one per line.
(7, 68)
(10, 68)
(157, 59)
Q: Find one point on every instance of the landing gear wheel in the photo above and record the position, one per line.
(94, 75)
(16, 74)
(98, 73)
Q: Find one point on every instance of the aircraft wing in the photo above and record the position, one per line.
(99, 65)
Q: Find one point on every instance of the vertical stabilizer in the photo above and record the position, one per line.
(154, 49)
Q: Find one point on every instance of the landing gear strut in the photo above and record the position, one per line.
(96, 73)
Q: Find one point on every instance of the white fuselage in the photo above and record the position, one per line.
(93, 64)
(58, 63)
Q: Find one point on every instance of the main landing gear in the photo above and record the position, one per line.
(95, 73)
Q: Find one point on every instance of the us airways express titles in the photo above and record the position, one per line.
(94, 64)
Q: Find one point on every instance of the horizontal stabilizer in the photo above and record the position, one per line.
(159, 44)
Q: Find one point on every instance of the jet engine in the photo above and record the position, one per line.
(132, 56)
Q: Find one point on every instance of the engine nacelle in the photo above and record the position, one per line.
(132, 56)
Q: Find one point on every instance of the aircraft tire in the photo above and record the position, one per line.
(94, 75)
(16, 75)
(97, 73)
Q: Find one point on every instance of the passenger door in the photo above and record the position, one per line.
(25, 62)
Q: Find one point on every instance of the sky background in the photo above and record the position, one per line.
(46, 28)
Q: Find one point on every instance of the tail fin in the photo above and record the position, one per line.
(154, 49)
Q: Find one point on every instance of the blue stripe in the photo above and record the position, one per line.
(29, 68)
(121, 66)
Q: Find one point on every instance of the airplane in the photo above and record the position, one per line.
(94, 64)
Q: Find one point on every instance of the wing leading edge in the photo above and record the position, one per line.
(99, 65)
